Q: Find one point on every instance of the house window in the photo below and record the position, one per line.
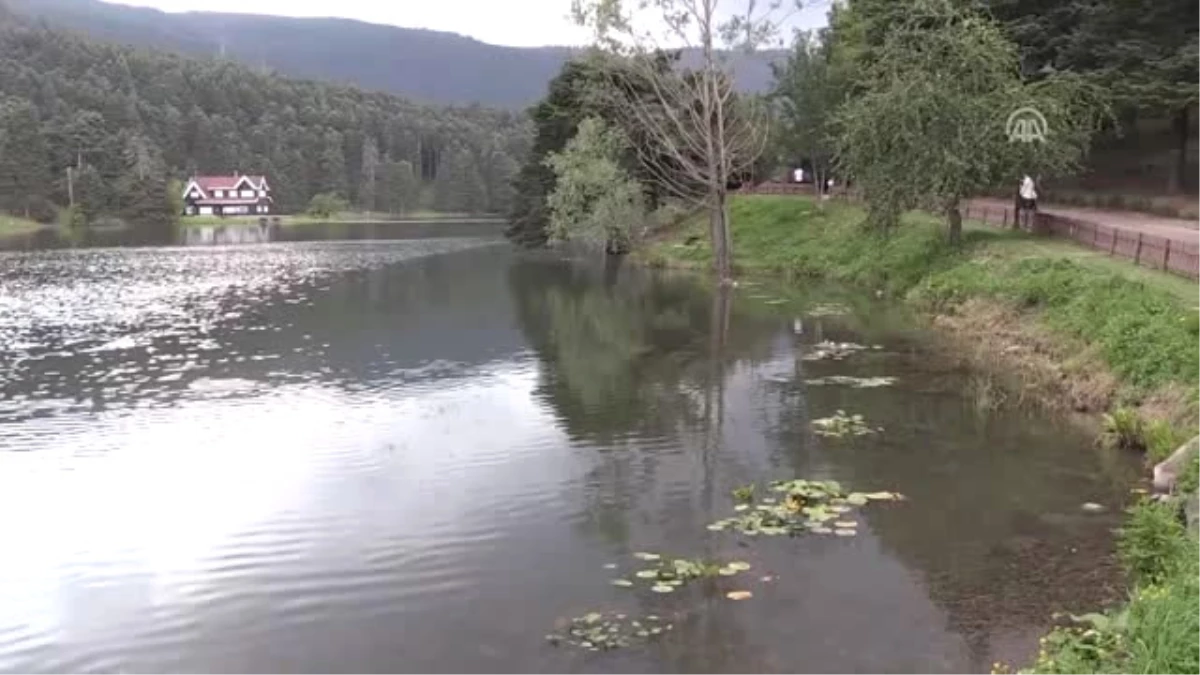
(262, 193)
(247, 193)
(219, 193)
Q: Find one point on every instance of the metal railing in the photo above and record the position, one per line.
(1148, 250)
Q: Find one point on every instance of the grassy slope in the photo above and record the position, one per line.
(1141, 325)
(1138, 324)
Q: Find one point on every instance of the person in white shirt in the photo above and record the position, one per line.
(1026, 200)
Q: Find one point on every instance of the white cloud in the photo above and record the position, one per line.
(523, 23)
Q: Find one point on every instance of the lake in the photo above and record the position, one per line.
(379, 450)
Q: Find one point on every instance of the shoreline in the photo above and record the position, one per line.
(1097, 344)
(293, 221)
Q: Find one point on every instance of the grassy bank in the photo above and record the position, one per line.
(11, 226)
(1085, 332)
(345, 216)
(1094, 334)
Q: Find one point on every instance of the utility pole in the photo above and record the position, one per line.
(70, 188)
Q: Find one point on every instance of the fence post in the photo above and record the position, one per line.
(1167, 256)
(1004, 219)
(1112, 249)
(1095, 235)
(1137, 258)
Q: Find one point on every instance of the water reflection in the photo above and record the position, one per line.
(418, 454)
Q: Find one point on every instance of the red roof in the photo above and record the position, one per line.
(210, 183)
(233, 202)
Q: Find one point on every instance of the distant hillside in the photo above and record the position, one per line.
(421, 64)
(104, 126)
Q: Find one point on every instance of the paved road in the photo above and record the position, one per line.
(1177, 229)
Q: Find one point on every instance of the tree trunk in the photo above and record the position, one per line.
(722, 242)
(1179, 124)
(954, 220)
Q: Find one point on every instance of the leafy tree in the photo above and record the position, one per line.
(1145, 54)
(929, 128)
(327, 205)
(702, 133)
(807, 96)
(401, 191)
(594, 200)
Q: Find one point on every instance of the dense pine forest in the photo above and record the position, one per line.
(108, 127)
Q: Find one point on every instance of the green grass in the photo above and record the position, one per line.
(11, 226)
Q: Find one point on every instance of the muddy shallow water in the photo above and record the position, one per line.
(420, 455)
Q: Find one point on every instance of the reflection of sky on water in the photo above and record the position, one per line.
(419, 456)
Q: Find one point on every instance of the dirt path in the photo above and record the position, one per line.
(1176, 229)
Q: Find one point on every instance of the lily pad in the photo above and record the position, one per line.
(610, 566)
(842, 532)
(662, 588)
(624, 583)
(820, 530)
(739, 595)
(641, 555)
(646, 574)
(846, 524)
(738, 565)
(741, 507)
(727, 571)
(716, 527)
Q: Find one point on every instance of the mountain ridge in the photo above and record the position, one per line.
(422, 64)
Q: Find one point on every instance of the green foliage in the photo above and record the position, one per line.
(116, 115)
(807, 95)
(801, 237)
(1189, 480)
(1161, 438)
(744, 494)
(1153, 541)
(326, 205)
(594, 200)
(927, 125)
(1142, 332)
(1123, 428)
(801, 506)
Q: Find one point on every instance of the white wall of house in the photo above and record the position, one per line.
(206, 210)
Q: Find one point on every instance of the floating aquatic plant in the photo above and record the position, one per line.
(671, 573)
(835, 351)
(806, 506)
(842, 425)
(600, 632)
(744, 494)
(856, 382)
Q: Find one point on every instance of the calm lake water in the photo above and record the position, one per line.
(417, 450)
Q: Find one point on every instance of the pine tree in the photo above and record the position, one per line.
(367, 189)
(331, 165)
(24, 158)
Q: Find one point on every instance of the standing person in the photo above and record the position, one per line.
(1028, 195)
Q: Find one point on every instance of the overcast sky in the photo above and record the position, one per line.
(523, 23)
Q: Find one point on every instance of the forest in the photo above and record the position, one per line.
(93, 132)
(1118, 79)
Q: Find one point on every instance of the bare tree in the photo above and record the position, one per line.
(698, 133)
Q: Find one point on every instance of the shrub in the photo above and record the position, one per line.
(326, 205)
(1123, 428)
(1160, 439)
(1153, 543)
